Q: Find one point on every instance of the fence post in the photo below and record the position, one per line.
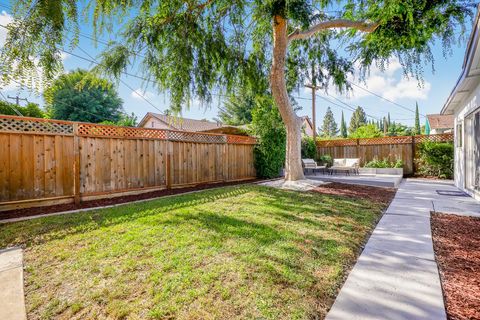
(413, 155)
(168, 165)
(358, 149)
(76, 165)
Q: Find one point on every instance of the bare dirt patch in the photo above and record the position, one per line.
(26, 212)
(456, 241)
(375, 194)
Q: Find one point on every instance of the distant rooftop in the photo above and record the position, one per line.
(440, 121)
(183, 124)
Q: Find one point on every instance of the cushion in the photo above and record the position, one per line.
(351, 162)
(338, 162)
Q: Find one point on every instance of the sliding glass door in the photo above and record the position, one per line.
(472, 151)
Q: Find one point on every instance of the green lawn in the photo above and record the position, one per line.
(245, 252)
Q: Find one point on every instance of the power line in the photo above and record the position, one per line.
(10, 105)
(123, 82)
(381, 97)
(352, 108)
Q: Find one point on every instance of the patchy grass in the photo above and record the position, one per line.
(230, 253)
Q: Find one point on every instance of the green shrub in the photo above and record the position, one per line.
(325, 159)
(435, 159)
(268, 128)
(309, 150)
(385, 163)
(30, 110)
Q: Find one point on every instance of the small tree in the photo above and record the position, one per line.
(343, 127)
(329, 128)
(237, 109)
(366, 131)
(359, 118)
(417, 129)
(82, 96)
(269, 153)
(125, 121)
(30, 110)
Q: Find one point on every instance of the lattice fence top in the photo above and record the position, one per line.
(34, 125)
(385, 140)
(337, 143)
(48, 126)
(196, 137)
(444, 137)
(95, 130)
(241, 139)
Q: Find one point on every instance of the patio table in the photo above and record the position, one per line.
(346, 170)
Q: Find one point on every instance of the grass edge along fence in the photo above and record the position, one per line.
(45, 162)
(392, 148)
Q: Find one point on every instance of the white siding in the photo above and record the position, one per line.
(468, 105)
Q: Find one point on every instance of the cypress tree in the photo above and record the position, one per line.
(329, 127)
(359, 118)
(343, 127)
(417, 129)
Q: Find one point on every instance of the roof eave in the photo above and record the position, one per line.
(469, 53)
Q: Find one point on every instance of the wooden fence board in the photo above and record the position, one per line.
(42, 160)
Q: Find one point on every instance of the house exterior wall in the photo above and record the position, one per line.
(463, 166)
(155, 124)
(439, 131)
(307, 128)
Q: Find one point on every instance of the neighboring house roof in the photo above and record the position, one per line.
(470, 76)
(307, 119)
(182, 124)
(440, 121)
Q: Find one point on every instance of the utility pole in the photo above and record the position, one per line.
(314, 89)
(17, 99)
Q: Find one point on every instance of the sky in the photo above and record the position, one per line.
(390, 84)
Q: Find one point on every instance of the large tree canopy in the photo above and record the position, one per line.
(80, 96)
(197, 47)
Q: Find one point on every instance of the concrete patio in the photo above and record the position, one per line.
(380, 180)
(396, 276)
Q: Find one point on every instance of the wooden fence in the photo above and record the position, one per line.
(393, 148)
(44, 162)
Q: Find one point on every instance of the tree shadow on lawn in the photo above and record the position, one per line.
(44, 229)
(47, 229)
(299, 242)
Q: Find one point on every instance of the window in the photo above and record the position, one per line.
(459, 135)
(153, 124)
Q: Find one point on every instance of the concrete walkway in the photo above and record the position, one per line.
(12, 301)
(396, 276)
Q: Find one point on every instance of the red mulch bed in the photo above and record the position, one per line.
(456, 241)
(375, 194)
(18, 213)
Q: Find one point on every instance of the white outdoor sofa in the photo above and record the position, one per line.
(310, 164)
(345, 165)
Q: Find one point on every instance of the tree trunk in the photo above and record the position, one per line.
(293, 123)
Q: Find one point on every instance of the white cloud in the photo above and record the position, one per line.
(139, 94)
(5, 19)
(407, 88)
(390, 84)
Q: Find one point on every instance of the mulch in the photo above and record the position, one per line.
(26, 212)
(375, 194)
(456, 242)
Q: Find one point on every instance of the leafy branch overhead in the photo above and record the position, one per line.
(198, 47)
